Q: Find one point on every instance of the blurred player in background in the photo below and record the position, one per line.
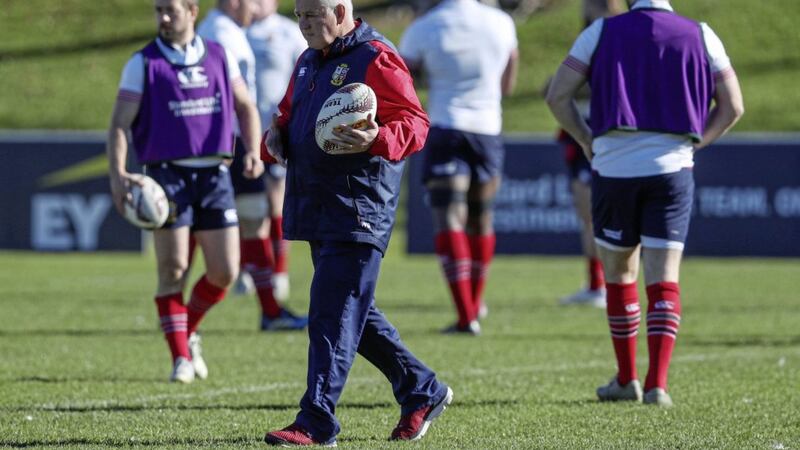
(178, 96)
(468, 53)
(224, 24)
(580, 171)
(653, 76)
(345, 206)
(277, 43)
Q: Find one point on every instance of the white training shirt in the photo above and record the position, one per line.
(277, 44)
(220, 28)
(622, 154)
(464, 47)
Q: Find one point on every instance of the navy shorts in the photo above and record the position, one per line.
(451, 152)
(652, 210)
(201, 198)
(242, 184)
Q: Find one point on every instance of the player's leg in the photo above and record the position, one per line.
(342, 292)
(172, 254)
(171, 244)
(421, 396)
(486, 154)
(448, 200)
(481, 236)
(666, 225)
(615, 214)
(258, 258)
(594, 292)
(276, 189)
(447, 179)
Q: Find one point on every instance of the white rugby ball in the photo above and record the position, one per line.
(148, 207)
(349, 105)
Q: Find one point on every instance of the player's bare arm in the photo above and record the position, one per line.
(356, 140)
(250, 125)
(728, 109)
(561, 100)
(117, 151)
(509, 78)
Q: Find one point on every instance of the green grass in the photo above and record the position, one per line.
(84, 365)
(60, 62)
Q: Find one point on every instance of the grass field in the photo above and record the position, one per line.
(84, 365)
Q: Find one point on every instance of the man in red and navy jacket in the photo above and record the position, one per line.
(344, 206)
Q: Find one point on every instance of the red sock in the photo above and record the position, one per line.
(280, 246)
(622, 306)
(172, 313)
(258, 261)
(453, 250)
(482, 250)
(596, 278)
(663, 320)
(204, 296)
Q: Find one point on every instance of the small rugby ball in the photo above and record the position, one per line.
(349, 105)
(148, 207)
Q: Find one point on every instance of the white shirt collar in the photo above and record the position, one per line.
(659, 4)
(188, 56)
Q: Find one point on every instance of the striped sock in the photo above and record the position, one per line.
(280, 246)
(482, 252)
(258, 261)
(663, 321)
(454, 256)
(204, 296)
(623, 320)
(172, 313)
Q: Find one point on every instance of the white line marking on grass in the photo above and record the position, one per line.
(544, 368)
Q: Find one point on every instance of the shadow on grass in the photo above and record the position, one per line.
(77, 333)
(105, 43)
(58, 380)
(106, 443)
(223, 406)
(740, 341)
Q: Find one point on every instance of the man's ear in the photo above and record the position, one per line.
(340, 12)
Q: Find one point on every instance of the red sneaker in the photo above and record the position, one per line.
(413, 426)
(294, 436)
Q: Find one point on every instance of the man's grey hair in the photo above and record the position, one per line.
(348, 4)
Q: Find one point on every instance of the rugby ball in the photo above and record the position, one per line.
(349, 105)
(148, 207)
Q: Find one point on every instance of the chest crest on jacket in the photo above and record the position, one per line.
(339, 74)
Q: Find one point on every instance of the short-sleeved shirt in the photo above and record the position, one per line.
(464, 47)
(277, 44)
(636, 154)
(222, 29)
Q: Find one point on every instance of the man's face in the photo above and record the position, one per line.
(244, 12)
(265, 8)
(318, 23)
(174, 19)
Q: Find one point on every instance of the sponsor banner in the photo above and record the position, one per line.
(56, 197)
(747, 200)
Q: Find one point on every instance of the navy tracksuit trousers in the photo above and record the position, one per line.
(343, 320)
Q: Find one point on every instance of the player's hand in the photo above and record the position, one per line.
(356, 138)
(121, 188)
(253, 166)
(275, 143)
